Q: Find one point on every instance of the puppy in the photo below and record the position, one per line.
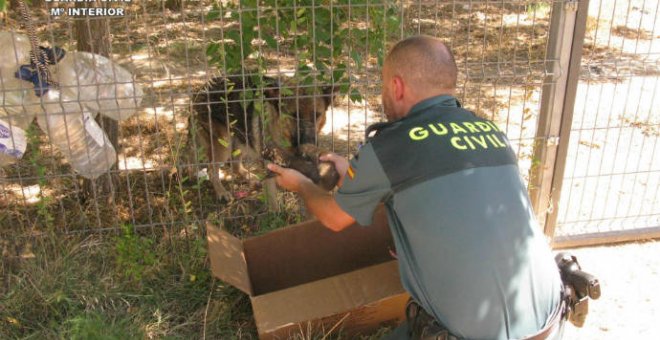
(227, 125)
(306, 161)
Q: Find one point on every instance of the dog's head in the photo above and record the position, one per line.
(300, 111)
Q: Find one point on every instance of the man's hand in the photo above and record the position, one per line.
(288, 179)
(319, 202)
(341, 164)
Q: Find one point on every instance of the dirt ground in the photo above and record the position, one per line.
(629, 306)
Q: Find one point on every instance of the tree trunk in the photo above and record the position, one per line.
(93, 35)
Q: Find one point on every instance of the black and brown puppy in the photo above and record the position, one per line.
(306, 160)
(226, 124)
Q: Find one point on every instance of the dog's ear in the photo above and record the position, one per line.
(330, 94)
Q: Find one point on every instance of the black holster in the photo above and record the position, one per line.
(579, 287)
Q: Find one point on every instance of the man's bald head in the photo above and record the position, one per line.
(425, 63)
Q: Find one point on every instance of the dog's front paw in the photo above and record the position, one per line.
(221, 193)
(225, 197)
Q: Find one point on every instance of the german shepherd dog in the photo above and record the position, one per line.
(226, 124)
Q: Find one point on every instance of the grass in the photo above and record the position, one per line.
(97, 326)
(82, 288)
(129, 286)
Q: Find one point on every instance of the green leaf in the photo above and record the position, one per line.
(230, 86)
(308, 80)
(393, 23)
(381, 59)
(223, 142)
(303, 41)
(286, 92)
(323, 52)
(270, 41)
(215, 60)
(235, 36)
(3, 5)
(303, 69)
(236, 153)
(248, 22)
(322, 17)
(338, 73)
(355, 95)
(322, 34)
(320, 64)
(259, 109)
(211, 49)
(285, 143)
(213, 14)
(357, 58)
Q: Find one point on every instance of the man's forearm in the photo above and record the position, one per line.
(323, 205)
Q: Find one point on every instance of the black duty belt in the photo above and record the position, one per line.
(422, 326)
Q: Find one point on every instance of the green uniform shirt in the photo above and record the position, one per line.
(469, 248)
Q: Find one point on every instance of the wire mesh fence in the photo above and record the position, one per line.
(173, 48)
(612, 170)
(79, 252)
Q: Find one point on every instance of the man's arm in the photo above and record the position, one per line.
(320, 203)
(323, 205)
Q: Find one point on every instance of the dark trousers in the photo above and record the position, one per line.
(419, 325)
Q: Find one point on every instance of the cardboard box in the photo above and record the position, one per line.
(305, 277)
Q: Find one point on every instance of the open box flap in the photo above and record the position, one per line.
(228, 258)
(327, 297)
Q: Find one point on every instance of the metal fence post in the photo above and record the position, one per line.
(567, 29)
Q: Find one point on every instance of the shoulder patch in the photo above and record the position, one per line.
(350, 172)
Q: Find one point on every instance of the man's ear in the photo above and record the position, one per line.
(330, 94)
(399, 87)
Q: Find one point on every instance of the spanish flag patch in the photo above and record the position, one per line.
(350, 172)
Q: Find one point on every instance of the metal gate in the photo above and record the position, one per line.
(599, 125)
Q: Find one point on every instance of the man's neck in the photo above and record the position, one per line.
(425, 96)
(436, 93)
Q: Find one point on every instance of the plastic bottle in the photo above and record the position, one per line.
(13, 142)
(18, 103)
(88, 81)
(15, 117)
(14, 49)
(99, 84)
(71, 128)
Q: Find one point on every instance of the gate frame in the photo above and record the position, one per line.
(546, 176)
